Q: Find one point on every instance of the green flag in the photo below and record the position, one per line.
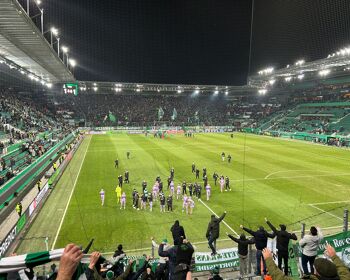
(112, 118)
(160, 113)
(174, 116)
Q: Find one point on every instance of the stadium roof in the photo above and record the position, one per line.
(335, 65)
(22, 43)
(117, 87)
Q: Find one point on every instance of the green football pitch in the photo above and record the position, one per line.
(290, 182)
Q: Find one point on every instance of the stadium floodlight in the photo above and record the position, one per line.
(300, 62)
(30, 76)
(226, 92)
(262, 91)
(42, 82)
(118, 89)
(94, 84)
(138, 90)
(72, 62)
(64, 49)
(288, 79)
(301, 76)
(38, 2)
(266, 71)
(54, 31)
(95, 88)
(216, 92)
(288, 65)
(118, 85)
(22, 72)
(49, 85)
(324, 72)
(196, 91)
(271, 82)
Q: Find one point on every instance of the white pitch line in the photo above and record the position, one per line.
(286, 171)
(230, 228)
(330, 202)
(70, 196)
(319, 209)
(293, 177)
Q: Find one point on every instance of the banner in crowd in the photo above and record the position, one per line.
(340, 242)
(225, 258)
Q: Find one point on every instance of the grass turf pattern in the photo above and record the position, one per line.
(269, 177)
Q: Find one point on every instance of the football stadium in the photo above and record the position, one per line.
(174, 139)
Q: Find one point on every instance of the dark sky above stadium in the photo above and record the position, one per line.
(194, 41)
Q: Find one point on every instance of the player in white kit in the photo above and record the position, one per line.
(208, 191)
(222, 183)
(178, 192)
(102, 196)
(123, 201)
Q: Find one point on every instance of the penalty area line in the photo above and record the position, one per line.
(70, 196)
(319, 209)
(230, 228)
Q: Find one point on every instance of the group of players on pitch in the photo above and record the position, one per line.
(147, 198)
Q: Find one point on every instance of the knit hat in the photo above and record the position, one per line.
(325, 268)
(110, 274)
(216, 270)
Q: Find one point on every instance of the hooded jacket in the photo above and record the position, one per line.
(283, 238)
(177, 231)
(260, 237)
(214, 227)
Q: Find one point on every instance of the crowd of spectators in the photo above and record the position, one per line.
(29, 123)
(175, 261)
(142, 110)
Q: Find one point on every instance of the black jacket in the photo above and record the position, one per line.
(214, 227)
(260, 237)
(283, 238)
(171, 254)
(242, 244)
(177, 231)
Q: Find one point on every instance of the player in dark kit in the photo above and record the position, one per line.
(160, 186)
(169, 181)
(205, 181)
(158, 179)
(169, 202)
(172, 173)
(227, 184)
(184, 186)
(120, 180)
(190, 189)
(215, 177)
(229, 158)
(193, 168)
(144, 185)
(126, 175)
(197, 173)
(136, 200)
(128, 155)
(199, 191)
(204, 172)
(116, 163)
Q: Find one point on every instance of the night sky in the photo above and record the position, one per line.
(194, 41)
